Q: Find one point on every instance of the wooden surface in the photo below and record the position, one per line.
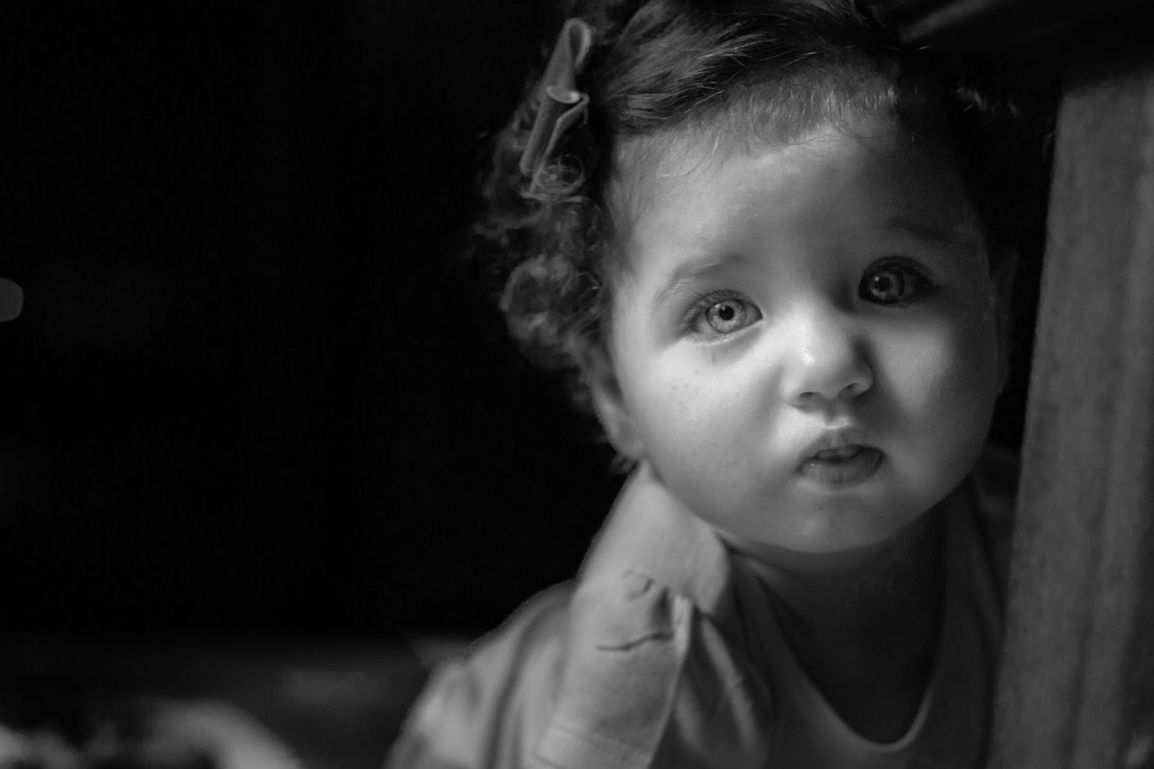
(1077, 681)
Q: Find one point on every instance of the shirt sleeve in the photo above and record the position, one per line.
(650, 681)
(486, 709)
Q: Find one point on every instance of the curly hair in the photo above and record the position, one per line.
(742, 67)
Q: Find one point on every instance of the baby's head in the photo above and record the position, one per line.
(773, 256)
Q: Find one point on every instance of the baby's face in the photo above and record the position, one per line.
(803, 341)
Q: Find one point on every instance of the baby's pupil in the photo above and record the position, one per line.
(884, 284)
(726, 312)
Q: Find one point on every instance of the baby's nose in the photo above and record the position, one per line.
(826, 362)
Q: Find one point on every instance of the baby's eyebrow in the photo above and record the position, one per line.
(691, 271)
(962, 233)
(962, 238)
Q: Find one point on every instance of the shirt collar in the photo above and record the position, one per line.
(651, 531)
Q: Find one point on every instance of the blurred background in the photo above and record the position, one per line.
(253, 388)
(255, 400)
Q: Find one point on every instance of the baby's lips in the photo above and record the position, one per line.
(847, 440)
(842, 452)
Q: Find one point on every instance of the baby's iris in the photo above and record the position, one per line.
(725, 316)
(892, 284)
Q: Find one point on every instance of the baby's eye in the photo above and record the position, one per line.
(716, 316)
(893, 283)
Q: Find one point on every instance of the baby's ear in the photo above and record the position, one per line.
(609, 402)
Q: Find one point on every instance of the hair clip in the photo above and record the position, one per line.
(559, 104)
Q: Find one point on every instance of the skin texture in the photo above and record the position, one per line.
(830, 288)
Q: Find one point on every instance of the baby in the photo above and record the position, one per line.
(772, 248)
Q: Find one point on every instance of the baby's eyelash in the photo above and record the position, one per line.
(702, 302)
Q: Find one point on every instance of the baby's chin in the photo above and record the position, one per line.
(832, 556)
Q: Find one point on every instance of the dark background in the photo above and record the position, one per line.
(253, 389)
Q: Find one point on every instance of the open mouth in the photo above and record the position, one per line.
(841, 466)
(838, 454)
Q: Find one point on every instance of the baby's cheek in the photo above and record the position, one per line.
(960, 387)
(681, 425)
(699, 440)
(946, 363)
(974, 370)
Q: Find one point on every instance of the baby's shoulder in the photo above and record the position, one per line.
(619, 672)
(650, 679)
(480, 702)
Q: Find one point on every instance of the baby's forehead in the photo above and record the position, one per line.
(849, 183)
(649, 169)
(773, 109)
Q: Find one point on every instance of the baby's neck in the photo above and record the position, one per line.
(866, 634)
(867, 592)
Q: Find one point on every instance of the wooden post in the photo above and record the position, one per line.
(1077, 686)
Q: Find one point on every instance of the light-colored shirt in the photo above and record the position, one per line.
(667, 653)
